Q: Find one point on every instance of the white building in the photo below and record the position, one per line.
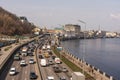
(111, 34)
(71, 30)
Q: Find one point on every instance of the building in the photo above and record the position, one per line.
(36, 30)
(23, 19)
(71, 30)
(111, 34)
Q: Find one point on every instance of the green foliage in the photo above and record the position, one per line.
(7, 48)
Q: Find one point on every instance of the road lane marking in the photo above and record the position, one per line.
(25, 79)
(17, 66)
(25, 72)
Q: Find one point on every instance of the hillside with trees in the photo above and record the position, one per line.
(11, 25)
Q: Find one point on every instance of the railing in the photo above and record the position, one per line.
(91, 70)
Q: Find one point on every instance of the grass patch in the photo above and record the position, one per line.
(71, 65)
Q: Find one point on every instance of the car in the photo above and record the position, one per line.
(30, 53)
(64, 69)
(62, 78)
(56, 69)
(31, 61)
(57, 60)
(17, 57)
(12, 71)
(41, 57)
(22, 63)
(53, 57)
(50, 62)
(33, 75)
(50, 78)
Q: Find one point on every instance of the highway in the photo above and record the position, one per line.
(23, 72)
(48, 70)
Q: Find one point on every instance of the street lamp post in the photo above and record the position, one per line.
(84, 47)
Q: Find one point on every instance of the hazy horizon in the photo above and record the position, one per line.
(53, 13)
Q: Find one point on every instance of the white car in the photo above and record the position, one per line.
(22, 63)
(50, 78)
(12, 71)
(31, 61)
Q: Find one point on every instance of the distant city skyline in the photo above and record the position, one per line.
(53, 13)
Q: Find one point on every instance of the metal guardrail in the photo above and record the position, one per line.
(37, 60)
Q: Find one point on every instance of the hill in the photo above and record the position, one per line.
(11, 25)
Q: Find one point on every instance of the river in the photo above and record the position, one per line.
(101, 53)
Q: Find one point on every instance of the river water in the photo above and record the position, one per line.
(101, 53)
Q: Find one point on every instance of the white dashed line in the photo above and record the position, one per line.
(25, 72)
(25, 79)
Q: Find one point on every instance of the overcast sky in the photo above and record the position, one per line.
(53, 13)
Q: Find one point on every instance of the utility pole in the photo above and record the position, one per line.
(84, 47)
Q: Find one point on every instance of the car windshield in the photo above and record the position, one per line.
(31, 59)
(32, 73)
(12, 70)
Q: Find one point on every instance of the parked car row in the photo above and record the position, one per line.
(5, 43)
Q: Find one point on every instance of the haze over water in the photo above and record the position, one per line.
(101, 53)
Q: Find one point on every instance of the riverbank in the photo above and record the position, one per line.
(101, 53)
(77, 64)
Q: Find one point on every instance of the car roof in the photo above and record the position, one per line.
(50, 77)
(13, 68)
(31, 58)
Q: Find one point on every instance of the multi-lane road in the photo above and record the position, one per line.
(23, 72)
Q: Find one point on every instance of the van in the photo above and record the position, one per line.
(43, 62)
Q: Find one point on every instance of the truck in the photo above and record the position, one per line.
(78, 76)
(57, 60)
(43, 62)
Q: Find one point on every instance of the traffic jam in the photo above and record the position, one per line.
(50, 67)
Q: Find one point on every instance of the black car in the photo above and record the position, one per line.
(56, 69)
(53, 57)
(33, 75)
(41, 57)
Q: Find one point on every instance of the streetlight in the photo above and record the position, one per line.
(84, 44)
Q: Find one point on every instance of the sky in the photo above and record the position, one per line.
(54, 13)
